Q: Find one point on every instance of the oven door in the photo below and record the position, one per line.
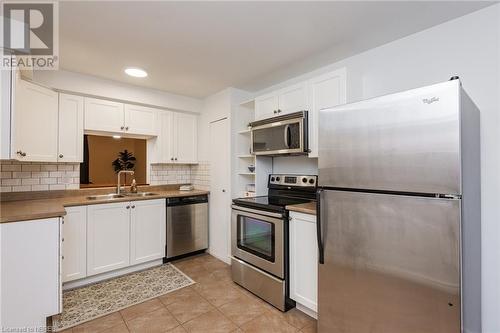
(257, 238)
(280, 137)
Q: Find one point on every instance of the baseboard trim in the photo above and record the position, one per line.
(108, 275)
(306, 310)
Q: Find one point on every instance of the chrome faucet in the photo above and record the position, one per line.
(118, 182)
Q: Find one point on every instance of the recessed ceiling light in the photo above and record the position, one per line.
(117, 136)
(135, 72)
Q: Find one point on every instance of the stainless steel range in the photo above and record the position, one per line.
(259, 237)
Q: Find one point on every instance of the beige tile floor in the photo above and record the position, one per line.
(213, 304)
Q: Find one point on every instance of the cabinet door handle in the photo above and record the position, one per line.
(171, 158)
(19, 152)
(133, 206)
(126, 128)
(61, 155)
(176, 158)
(128, 207)
(62, 257)
(122, 127)
(279, 111)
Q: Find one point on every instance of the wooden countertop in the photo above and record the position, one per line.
(307, 208)
(22, 210)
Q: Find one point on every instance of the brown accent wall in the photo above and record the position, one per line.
(103, 150)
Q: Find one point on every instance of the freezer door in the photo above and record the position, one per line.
(391, 264)
(405, 142)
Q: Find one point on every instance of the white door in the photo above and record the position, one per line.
(108, 237)
(266, 106)
(293, 99)
(325, 91)
(70, 146)
(29, 268)
(185, 138)
(147, 230)
(74, 244)
(140, 119)
(220, 200)
(304, 260)
(103, 115)
(35, 123)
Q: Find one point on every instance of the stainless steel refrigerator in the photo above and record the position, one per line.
(399, 224)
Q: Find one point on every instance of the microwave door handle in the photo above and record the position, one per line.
(286, 134)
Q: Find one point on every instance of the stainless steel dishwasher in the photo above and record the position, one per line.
(187, 225)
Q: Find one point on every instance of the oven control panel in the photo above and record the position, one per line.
(293, 180)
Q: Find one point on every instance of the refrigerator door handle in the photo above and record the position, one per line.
(319, 229)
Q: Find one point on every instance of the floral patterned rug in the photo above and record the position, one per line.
(93, 301)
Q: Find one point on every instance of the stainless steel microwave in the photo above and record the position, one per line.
(281, 135)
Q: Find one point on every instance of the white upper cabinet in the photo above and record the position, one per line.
(177, 140)
(147, 230)
(185, 138)
(293, 99)
(70, 146)
(103, 115)
(325, 91)
(266, 106)
(108, 116)
(140, 119)
(74, 244)
(34, 122)
(287, 100)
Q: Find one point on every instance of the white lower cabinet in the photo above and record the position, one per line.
(108, 237)
(304, 260)
(74, 244)
(147, 230)
(123, 234)
(30, 281)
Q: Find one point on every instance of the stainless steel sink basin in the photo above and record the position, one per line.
(105, 196)
(139, 194)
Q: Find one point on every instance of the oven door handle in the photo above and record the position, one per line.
(258, 212)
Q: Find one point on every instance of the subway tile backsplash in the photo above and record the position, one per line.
(200, 175)
(18, 176)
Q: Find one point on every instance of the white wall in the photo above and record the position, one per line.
(98, 87)
(295, 164)
(469, 47)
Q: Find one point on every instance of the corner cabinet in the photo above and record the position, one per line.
(304, 260)
(34, 121)
(46, 126)
(177, 141)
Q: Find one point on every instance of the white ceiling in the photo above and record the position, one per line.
(199, 48)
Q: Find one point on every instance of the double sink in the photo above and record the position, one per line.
(111, 196)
